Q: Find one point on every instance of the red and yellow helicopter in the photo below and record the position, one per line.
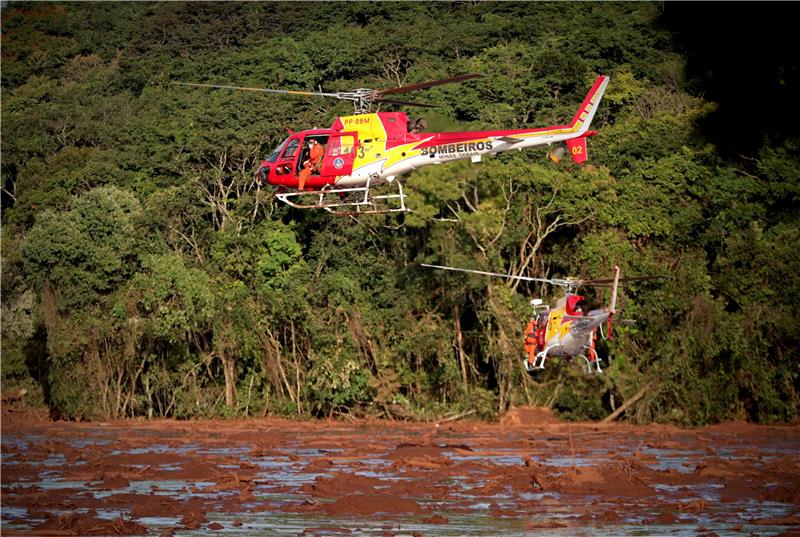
(567, 330)
(367, 149)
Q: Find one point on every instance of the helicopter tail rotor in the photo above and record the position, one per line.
(612, 308)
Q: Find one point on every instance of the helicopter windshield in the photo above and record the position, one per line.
(276, 153)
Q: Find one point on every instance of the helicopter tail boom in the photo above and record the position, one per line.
(583, 118)
(585, 114)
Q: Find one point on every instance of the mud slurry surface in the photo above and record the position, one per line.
(525, 476)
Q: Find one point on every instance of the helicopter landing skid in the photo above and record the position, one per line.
(538, 362)
(347, 201)
(591, 366)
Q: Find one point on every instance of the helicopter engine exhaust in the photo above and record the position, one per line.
(555, 154)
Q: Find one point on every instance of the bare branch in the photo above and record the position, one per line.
(454, 211)
(508, 196)
(13, 197)
(192, 241)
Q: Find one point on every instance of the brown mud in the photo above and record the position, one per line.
(527, 475)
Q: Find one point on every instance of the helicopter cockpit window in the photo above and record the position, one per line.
(277, 151)
(291, 148)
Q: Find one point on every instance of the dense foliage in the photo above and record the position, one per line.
(144, 273)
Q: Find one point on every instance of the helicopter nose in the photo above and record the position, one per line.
(262, 173)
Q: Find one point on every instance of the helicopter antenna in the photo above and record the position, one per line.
(362, 98)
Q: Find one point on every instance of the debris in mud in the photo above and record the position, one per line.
(543, 524)
(528, 416)
(111, 482)
(193, 520)
(309, 532)
(328, 487)
(436, 519)
(662, 519)
(695, 505)
(369, 504)
(88, 524)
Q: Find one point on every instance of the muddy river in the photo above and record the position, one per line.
(527, 475)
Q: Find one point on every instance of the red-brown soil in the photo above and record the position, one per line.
(528, 474)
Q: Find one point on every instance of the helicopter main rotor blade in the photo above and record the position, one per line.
(484, 273)
(430, 84)
(607, 282)
(260, 90)
(567, 282)
(404, 103)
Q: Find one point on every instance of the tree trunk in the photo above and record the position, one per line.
(229, 366)
(614, 415)
(460, 349)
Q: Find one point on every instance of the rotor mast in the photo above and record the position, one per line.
(361, 98)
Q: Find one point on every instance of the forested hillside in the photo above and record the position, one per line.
(144, 273)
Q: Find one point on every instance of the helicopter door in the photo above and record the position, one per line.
(340, 154)
(286, 162)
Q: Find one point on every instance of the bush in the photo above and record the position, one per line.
(68, 397)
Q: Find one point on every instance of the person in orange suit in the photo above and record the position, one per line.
(530, 339)
(312, 164)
